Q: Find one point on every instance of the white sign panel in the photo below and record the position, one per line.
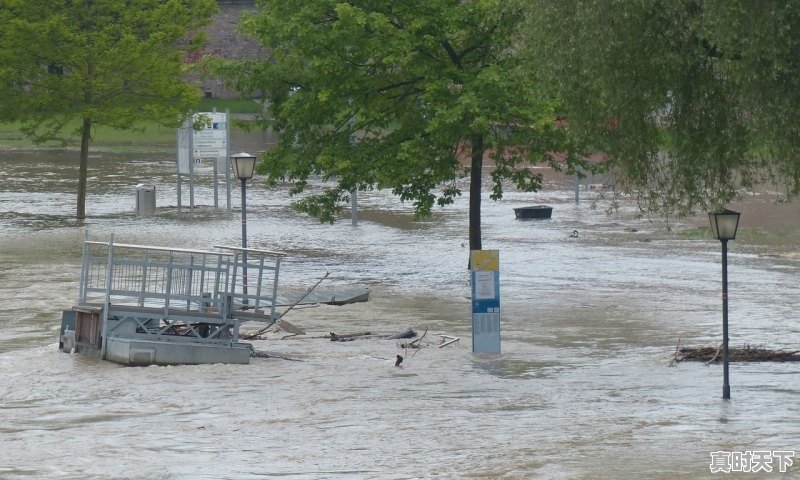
(184, 141)
(212, 140)
(485, 286)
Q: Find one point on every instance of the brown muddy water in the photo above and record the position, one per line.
(582, 390)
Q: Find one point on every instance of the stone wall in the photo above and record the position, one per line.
(224, 41)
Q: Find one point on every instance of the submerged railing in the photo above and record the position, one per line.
(160, 291)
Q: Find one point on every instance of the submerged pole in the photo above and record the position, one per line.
(244, 241)
(726, 387)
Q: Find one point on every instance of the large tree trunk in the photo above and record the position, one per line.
(476, 170)
(86, 132)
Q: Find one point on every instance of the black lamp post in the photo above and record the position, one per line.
(724, 225)
(243, 165)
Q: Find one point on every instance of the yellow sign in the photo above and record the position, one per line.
(485, 260)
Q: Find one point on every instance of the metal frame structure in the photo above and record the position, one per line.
(161, 300)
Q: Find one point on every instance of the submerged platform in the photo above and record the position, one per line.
(146, 305)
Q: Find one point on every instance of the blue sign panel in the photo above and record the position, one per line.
(485, 301)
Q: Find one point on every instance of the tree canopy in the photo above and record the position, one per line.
(408, 96)
(110, 62)
(692, 101)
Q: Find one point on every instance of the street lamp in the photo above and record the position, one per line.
(724, 225)
(243, 165)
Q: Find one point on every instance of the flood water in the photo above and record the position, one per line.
(583, 388)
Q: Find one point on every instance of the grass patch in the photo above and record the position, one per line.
(147, 136)
(694, 233)
(745, 234)
(144, 135)
(235, 105)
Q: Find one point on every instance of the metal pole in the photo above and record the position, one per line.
(726, 388)
(354, 206)
(178, 142)
(227, 156)
(190, 159)
(216, 187)
(107, 305)
(191, 183)
(244, 241)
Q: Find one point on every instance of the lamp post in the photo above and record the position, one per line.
(724, 225)
(243, 165)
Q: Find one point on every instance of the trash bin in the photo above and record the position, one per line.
(145, 200)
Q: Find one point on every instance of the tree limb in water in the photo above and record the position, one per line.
(407, 333)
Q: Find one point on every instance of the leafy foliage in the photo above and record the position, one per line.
(111, 62)
(692, 101)
(401, 95)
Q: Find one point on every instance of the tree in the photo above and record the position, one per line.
(398, 95)
(110, 62)
(692, 101)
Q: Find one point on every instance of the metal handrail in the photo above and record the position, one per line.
(190, 280)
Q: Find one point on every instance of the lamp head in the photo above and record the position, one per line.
(724, 224)
(243, 165)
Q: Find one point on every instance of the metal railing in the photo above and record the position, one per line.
(157, 277)
(255, 287)
(150, 290)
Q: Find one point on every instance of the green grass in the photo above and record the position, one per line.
(146, 137)
(694, 233)
(746, 234)
(236, 105)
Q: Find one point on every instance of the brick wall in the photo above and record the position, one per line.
(224, 41)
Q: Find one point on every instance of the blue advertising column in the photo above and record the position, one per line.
(485, 265)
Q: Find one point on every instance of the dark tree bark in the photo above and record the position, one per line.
(86, 134)
(476, 169)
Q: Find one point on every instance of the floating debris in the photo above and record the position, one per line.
(747, 353)
(407, 333)
(447, 340)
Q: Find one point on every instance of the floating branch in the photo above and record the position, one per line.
(261, 354)
(284, 325)
(744, 354)
(257, 335)
(407, 333)
(415, 343)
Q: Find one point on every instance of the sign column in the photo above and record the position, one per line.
(485, 266)
(211, 142)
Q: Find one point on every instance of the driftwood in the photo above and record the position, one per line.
(261, 354)
(744, 354)
(407, 333)
(291, 329)
(258, 334)
(415, 343)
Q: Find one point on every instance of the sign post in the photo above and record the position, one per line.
(212, 142)
(208, 142)
(485, 266)
(184, 141)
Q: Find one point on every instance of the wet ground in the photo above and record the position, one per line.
(582, 390)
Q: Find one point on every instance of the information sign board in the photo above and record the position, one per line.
(211, 141)
(485, 266)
